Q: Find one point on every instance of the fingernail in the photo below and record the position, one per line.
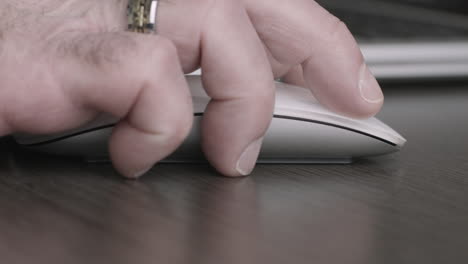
(140, 173)
(249, 157)
(369, 87)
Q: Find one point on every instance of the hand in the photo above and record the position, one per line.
(64, 62)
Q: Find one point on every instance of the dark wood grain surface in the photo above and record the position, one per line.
(409, 207)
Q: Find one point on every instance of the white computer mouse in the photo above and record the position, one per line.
(302, 131)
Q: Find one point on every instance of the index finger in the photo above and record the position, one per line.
(301, 32)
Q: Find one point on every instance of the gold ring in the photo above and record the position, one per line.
(142, 16)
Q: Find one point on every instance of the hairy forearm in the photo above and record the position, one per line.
(40, 15)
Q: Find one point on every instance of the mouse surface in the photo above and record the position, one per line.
(302, 131)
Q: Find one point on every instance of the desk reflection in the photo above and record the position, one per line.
(172, 217)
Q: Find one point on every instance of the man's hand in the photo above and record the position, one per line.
(64, 62)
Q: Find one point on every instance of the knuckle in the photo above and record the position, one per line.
(163, 50)
(337, 30)
(266, 95)
(161, 59)
(178, 129)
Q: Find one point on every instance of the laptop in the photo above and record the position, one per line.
(409, 39)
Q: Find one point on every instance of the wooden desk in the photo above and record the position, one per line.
(410, 207)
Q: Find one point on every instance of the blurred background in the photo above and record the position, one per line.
(459, 6)
(409, 39)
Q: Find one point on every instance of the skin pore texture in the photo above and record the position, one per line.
(62, 63)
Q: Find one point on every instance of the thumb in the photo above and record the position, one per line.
(138, 79)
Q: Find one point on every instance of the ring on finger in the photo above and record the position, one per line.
(142, 16)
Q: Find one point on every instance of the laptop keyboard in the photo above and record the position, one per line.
(371, 27)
